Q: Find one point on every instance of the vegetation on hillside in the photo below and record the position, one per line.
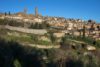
(13, 54)
(11, 23)
(24, 37)
(71, 53)
(43, 25)
(17, 23)
(87, 40)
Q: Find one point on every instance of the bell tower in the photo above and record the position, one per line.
(36, 11)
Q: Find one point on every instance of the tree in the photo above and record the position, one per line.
(84, 29)
(92, 27)
(63, 39)
(17, 64)
(80, 32)
(98, 27)
(5, 13)
(52, 37)
(9, 13)
(89, 20)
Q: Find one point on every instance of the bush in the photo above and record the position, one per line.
(88, 40)
(39, 26)
(98, 43)
(17, 63)
(42, 42)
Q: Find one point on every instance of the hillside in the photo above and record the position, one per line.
(48, 42)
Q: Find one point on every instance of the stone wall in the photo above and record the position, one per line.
(26, 30)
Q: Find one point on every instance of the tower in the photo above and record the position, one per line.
(36, 11)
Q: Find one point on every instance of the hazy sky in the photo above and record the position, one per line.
(82, 9)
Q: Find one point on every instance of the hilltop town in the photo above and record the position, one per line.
(47, 40)
(60, 24)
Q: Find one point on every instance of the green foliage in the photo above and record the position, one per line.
(16, 23)
(5, 13)
(98, 43)
(52, 37)
(17, 63)
(3, 22)
(34, 38)
(9, 13)
(10, 22)
(42, 42)
(22, 56)
(63, 39)
(84, 29)
(88, 40)
(39, 26)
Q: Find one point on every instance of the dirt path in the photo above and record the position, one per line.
(77, 41)
(41, 46)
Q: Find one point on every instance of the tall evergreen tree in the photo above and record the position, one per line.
(84, 29)
(5, 13)
(9, 13)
